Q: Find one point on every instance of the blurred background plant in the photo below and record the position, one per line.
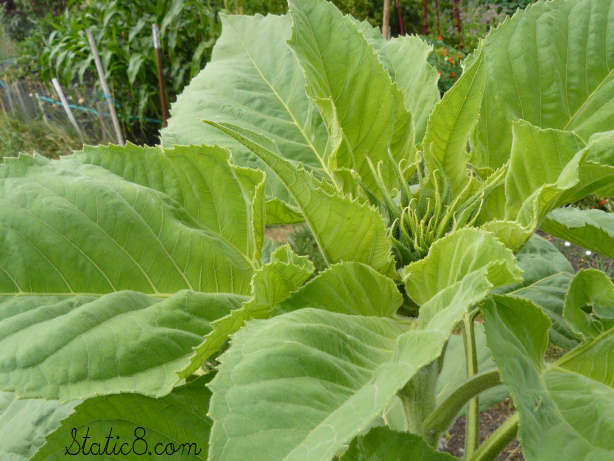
(43, 39)
(53, 43)
(35, 136)
(447, 60)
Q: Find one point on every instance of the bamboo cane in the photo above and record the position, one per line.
(71, 117)
(105, 88)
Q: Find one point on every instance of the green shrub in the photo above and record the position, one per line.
(125, 270)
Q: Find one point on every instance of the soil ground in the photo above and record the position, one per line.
(490, 420)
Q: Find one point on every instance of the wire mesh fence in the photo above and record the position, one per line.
(32, 100)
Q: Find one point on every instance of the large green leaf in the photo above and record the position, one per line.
(73, 347)
(348, 288)
(566, 407)
(92, 256)
(592, 229)
(302, 383)
(252, 80)
(382, 444)
(223, 198)
(551, 65)
(24, 424)
(305, 383)
(451, 123)
(363, 109)
(545, 281)
(344, 228)
(73, 228)
(176, 423)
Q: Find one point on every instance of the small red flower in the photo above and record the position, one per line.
(453, 75)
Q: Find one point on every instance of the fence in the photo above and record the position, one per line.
(30, 100)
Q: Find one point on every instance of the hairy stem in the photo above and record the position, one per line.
(472, 427)
(445, 414)
(497, 441)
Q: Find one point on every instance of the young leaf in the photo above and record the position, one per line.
(354, 93)
(176, 424)
(280, 213)
(418, 85)
(456, 258)
(567, 404)
(451, 123)
(533, 175)
(382, 444)
(592, 229)
(345, 229)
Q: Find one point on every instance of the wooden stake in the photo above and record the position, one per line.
(106, 134)
(386, 20)
(71, 117)
(105, 88)
(158, 49)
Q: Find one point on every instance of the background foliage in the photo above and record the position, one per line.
(51, 42)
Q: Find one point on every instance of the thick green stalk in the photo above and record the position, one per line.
(497, 441)
(443, 416)
(472, 427)
(418, 397)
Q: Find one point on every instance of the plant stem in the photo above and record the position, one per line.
(437, 16)
(472, 427)
(444, 415)
(426, 15)
(497, 441)
(418, 397)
